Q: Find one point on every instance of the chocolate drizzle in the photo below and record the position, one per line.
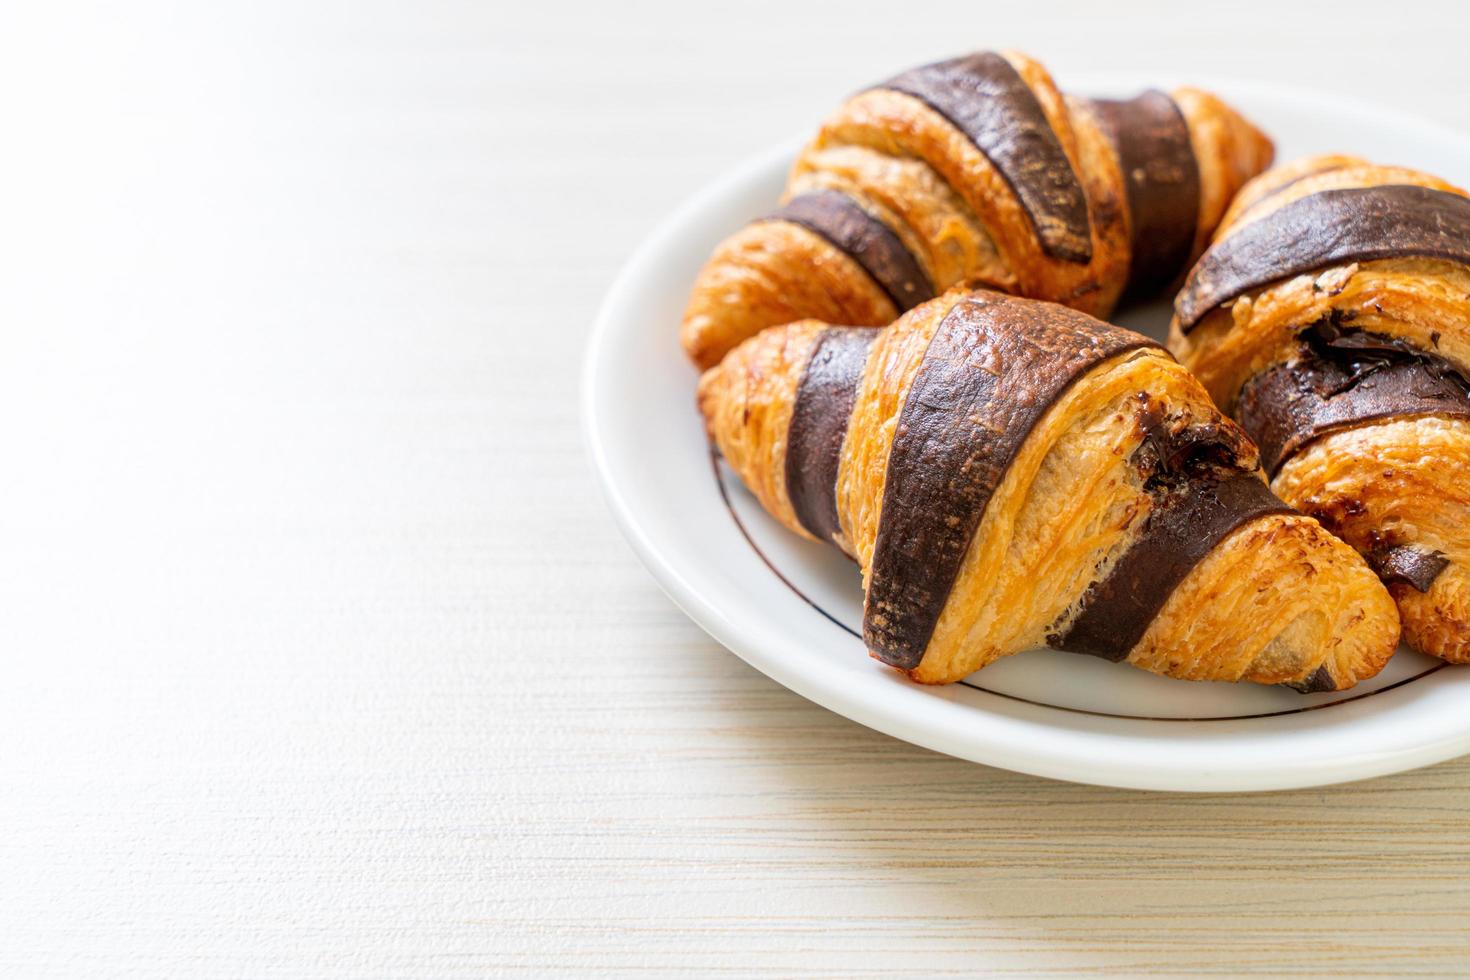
(1340, 378)
(1327, 228)
(819, 417)
(994, 366)
(1343, 377)
(1318, 681)
(1161, 175)
(1407, 565)
(869, 242)
(1201, 493)
(986, 99)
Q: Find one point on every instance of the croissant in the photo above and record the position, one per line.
(978, 170)
(1332, 317)
(1010, 473)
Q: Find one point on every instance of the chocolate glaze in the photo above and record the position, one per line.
(1327, 228)
(1318, 681)
(1161, 175)
(840, 220)
(992, 369)
(1394, 561)
(819, 420)
(1344, 377)
(1204, 486)
(1407, 565)
(1184, 525)
(987, 100)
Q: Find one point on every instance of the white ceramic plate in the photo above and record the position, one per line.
(793, 609)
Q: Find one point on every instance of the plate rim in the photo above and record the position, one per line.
(990, 737)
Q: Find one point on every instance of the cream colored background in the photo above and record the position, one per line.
(319, 655)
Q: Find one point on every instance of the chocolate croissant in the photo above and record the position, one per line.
(1332, 317)
(1010, 473)
(979, 170)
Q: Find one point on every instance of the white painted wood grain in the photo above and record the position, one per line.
(319, 655)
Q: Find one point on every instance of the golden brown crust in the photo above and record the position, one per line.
(1276, 178)
(1229, 151)
(746, 402)
(900, 125)
(776, 272)
(1405, 480)
(1271, 604)
(905, 193)
(1402, 481)
(1277, 601)
(1310, 175)
(912, 169)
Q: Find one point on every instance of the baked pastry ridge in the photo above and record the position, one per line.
(1010, 474)
(978, 170)
(1331, 316)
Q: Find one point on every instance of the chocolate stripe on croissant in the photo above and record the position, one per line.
(819, 417)
(1327, 228)
(1344, 378)
(992, 369)
(1162, 179)
(1408, 565)
(869, 242)
(1320, 682)
(987, 100)
(1184, 525)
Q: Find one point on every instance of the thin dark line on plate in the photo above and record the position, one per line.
(714, 458)
(1260, 714)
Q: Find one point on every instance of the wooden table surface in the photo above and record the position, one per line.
(319, 654)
